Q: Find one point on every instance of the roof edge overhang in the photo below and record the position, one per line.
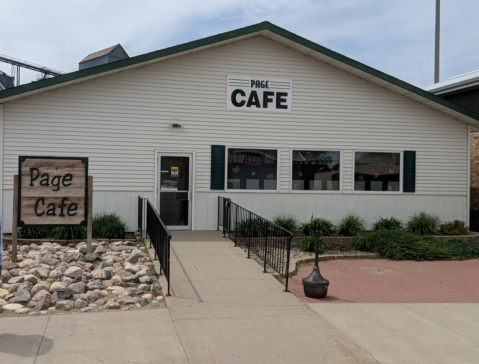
(274, 33)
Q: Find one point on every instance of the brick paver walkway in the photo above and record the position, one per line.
(385, 281)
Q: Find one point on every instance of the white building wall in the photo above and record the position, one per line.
(118, 121)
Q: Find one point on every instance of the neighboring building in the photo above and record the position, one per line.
(463, 90)
(6, 81)
(276, 122)
(107, 55)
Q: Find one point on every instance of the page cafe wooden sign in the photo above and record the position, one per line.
(52, 191)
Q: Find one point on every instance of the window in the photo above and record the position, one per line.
(315, 170)
(252, 169)
(376, 171)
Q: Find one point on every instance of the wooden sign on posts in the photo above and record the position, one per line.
(52, 191)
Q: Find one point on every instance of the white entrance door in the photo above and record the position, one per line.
(174, 189)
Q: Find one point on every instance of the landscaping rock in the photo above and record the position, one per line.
(64, 305)
(91, 257)
(64, 293)
(56, 274)
(21, 297)
(44, 301)
(12, 307)
(78, 287)
(73, 272)
(143, 302)
(3, 292)
(99, 274)
(42, 272)
(56, 286)
(131, 268)
(19, 279)
(112, 305)
(79, 304)
(31, 278)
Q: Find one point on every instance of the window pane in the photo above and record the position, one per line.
(252, 169)
(376, 171)
(315, 170)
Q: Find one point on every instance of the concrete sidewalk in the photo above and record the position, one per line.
(225, 310)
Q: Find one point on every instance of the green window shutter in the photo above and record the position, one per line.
(217, 167)
(409, 171)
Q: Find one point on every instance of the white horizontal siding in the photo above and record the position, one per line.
(119, 120)
(331, 206)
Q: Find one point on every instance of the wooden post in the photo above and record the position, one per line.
(89, 213)
(15, 218)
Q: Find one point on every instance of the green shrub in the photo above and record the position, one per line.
(69, 233)
(423, 224)
(34, 232)
(323, 226)
(455, 227)
(309, 242)
(108, 226)
(351, 225)
(403, 245)
(288, 222)
(387, 224)
(251, 228)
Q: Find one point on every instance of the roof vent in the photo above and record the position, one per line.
(108, 55)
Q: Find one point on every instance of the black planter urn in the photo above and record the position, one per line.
(315, 286)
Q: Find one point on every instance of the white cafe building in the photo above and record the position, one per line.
(279, 124)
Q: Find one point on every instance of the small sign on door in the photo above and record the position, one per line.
(175, 172)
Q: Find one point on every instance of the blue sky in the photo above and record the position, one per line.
(396, 37)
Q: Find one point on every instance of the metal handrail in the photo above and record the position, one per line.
(160, 236)
(268, 241)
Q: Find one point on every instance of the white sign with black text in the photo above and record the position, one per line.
(259, 94)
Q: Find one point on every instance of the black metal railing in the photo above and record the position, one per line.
(160, 237)
(268, 241)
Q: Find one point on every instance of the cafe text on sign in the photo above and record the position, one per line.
(256, 93)
(52, 191)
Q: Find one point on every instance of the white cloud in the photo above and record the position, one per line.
(395, 37)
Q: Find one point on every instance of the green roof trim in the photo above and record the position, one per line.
(118, 65)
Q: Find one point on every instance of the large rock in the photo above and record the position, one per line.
(131, 268)
(92, 296)
(73, 272)
(56, 286)
(146, 279)
(10, 265)
(126, 300)
(44, 301)
(5, 276)
(68, 258)
(99, 274)
(3, 293)
(100, 250)
(19, 279)
(143, 302)
(64, 305)
(133, 258)
(21, 297)
(31, 278)
(95, 285)
(79, 304)
(156, 288)
(41, 294)
(78, 287)
(64, 293)
(12, 307)
(49, 260)
(42, 272)
(56, 274)
(2, 302)
(25, 286)
(39, 287)
(91, 257)
(112, 305)
(27, 263)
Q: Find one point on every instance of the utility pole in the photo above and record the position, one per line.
(438, 31)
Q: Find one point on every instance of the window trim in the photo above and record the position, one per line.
(341, 175)
(401, 172)
(278, 169)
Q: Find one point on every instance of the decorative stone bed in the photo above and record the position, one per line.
(51, 278)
